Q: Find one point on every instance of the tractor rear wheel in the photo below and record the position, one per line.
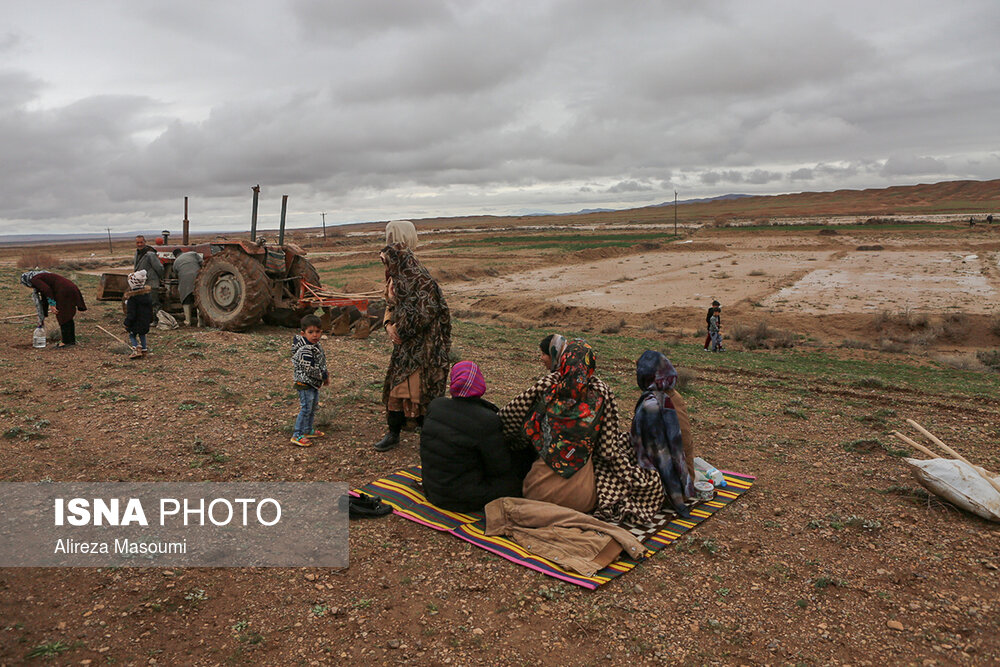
(291, 317)
(232, 291)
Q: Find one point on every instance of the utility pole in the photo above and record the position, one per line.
(324, 223)
(110, 249)
(675, 212)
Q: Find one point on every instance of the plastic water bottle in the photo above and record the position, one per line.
(38, 338)
(710, 472)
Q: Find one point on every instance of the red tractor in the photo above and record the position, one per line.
(239, 284)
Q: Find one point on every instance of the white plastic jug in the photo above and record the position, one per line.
(38, 338)
(710, 473)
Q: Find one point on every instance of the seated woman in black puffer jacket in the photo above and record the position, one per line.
(465, 462)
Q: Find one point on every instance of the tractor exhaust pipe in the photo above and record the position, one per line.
(184, 234)
(281, 229)
(253, 215)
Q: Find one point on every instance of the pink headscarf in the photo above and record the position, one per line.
(467, 380)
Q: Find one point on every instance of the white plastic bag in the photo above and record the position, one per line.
(959, 484)
(165, 320)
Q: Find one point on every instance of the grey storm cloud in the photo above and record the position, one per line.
(382, 109)
(911, 165)
(630, 186)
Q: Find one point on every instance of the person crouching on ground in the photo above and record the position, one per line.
(309, 365)
(462, 452)
(61, 296)
(138, 307)
(661, 432)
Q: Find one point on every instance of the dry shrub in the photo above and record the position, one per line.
(757, 272)
(965, 362)
(852, 344)
(889, 345)
(909, 319)
(685, 376)
(956, 326)
(37, 259)
(762, 335)
(989, 358)
(613, 328)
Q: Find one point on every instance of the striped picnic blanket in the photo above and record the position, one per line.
(403, 491)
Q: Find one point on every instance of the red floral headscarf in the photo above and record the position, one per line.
(567, 418)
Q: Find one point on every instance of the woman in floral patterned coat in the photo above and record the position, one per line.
(419, 325)
(571, 418)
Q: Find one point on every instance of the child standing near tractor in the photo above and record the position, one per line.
(309, 365)
(138, 307)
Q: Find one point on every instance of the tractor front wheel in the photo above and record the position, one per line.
(232, 291)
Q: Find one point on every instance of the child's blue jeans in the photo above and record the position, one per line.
(135, 343)
(308, 398)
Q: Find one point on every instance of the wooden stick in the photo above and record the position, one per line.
(16, 317)
(112, 335)
(916, 445)
(937, 441)
(983, 473)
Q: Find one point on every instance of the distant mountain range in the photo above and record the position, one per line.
(703, 200)
(584, 211)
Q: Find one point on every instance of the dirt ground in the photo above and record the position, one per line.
(834, 557)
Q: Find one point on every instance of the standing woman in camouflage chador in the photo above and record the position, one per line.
(418, 323)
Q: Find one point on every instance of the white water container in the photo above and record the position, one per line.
(38, 338)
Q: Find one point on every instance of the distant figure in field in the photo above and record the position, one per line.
(715, 329)
(401, 231)
(186, 267)
(989, 218)
(708, 322)
(61, 295)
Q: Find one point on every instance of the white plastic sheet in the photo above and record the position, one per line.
(959, 484)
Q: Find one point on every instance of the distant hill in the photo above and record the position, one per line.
(702, 200)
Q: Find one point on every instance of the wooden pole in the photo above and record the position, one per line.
(113, 336)
(916, 445)
(16, 317)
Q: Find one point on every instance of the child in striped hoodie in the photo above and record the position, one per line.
(309, 364)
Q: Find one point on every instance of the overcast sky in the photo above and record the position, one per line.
(111, 112)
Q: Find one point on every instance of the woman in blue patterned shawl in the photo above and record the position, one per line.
(656, 429)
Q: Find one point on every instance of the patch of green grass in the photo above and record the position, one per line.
(564, 242)
(825, 582)
(50, 649)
